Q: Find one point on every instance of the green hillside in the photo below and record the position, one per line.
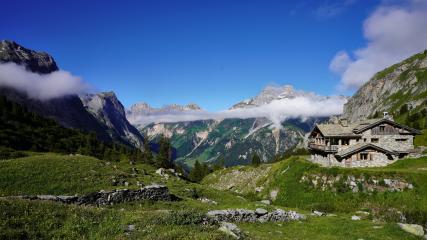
(282, 182)
(63, 174)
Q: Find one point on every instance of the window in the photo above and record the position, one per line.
(345, 142)
(364, 156)
(364, 140)
(374, 140)
(401, 140)
(382, 129)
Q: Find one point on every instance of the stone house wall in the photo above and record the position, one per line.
(390, 141)
(377, 159)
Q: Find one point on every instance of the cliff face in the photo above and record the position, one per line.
(33, 61)
(400, 90)
(107, 109)
(100, 113)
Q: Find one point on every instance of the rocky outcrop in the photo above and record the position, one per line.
(389, 90)
(150, 193)
(414, 229)
(259, 215)
(38, 62)
(107, 108)
(343, 183)
(108, 121)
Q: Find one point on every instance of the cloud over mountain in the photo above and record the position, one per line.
(393, 32)
(295, 104)
(41, 86)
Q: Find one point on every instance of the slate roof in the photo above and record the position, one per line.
(354, 129)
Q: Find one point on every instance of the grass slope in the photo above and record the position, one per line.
(285, 177)
(63, 174)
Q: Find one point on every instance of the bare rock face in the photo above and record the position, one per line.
(387, 88)
(33, 61)
(107, 108)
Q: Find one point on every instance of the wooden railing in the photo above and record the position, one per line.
(331, 148)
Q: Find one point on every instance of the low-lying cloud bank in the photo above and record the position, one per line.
(41, 86)
(277, 111)
(393, 33)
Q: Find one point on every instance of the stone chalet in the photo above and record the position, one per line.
(368, 143)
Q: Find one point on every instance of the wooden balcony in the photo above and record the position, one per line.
(324, 148)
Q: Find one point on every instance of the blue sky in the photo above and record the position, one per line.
(214, 53)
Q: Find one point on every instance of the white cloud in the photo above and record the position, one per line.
(40, 86)
(340, 62)
(329, 9)
(277, 111)
(393, 33)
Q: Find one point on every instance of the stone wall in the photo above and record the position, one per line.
(378, 159)
(343, 183)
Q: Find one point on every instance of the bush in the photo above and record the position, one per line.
(8, 153)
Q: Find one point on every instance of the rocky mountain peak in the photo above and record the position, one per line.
(39, 62)
(269, 94)
(107, 108)
(399, 89)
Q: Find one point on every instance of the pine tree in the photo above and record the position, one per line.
(196, 172)
(256, 160)
(164, 157)
(147, 155)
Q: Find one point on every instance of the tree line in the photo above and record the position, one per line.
(21, 129)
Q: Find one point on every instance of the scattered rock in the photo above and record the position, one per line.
(415, 229)
(131, 228)
(363, 212)
(266, 202)
(318, 213)
(273, 194)
(207, 200)
(355, 218)
(230, 229)
(259, 189)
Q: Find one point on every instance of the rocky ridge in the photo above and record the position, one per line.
(107, 121)
(400, 89)
(108, 109)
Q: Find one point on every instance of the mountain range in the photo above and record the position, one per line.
(400, 89)
(101, 113)
(234, 140)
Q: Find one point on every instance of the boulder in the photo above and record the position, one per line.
(318, 213)
(414, 229)
(260, 211)
(355, 218)
(230, 229)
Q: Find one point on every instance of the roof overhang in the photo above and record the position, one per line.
(409, 129)
(363, 147)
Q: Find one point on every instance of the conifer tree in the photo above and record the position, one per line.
(164, 157)
(147, 155)
(256, 160)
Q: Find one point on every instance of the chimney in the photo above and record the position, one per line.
(387, 116)
(344, 122)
